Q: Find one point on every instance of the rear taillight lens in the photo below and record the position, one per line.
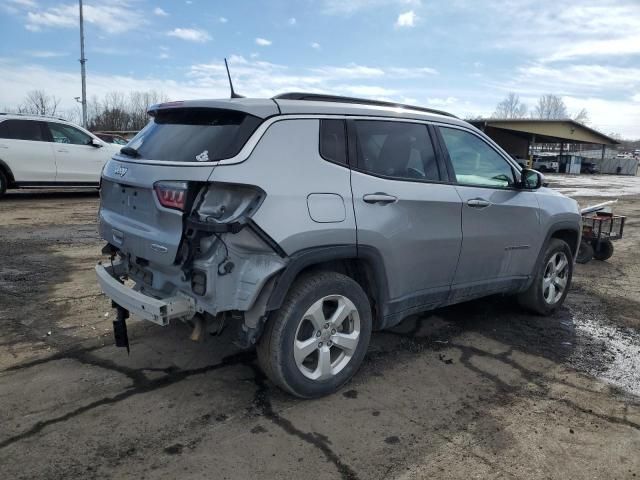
(172, 194)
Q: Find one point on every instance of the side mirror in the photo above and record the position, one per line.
(95, 143)
(531, 179)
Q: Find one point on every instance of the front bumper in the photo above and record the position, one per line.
(159, 311)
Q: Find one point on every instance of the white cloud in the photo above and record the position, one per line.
(406, 19)
(628, 44)
(223, 19)
(349, 7)
(315, 45)
(351, 71)
(292, 21)
(46, 53)
(190, 34)
(443, 102)
(608, 116)
(263, 42)
(24, 3)
(415, 72)
(372, 91)
(110, 16)
(574, 79)
(564, 29)
(55, 18)
(160, 12)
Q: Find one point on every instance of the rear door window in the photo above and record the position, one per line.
(23, 130)
(396, 149)
(333, 141)
(194, 134)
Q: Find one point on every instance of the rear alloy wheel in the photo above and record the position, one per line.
(327, 337)
(552, 279)
(316, 341)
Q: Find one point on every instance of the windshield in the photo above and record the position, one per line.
(194, 135)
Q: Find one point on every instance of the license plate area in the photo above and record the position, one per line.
(135, 202)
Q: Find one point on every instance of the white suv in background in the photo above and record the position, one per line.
(47, 152)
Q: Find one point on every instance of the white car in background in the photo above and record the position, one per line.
(546, 164)
(46, 152)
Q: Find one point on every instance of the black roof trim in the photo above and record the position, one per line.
(320, 97)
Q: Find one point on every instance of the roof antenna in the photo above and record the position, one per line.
(233, 93)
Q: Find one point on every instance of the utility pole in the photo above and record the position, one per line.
(82, 70)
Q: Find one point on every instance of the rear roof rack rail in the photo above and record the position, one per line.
(319, 97)
(34, 115)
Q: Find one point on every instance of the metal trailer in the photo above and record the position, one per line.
(599, 230)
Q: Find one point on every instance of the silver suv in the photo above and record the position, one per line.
(307, 221)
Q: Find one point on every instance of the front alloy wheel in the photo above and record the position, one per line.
(554, 281)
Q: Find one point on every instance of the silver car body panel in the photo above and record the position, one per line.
(290, 148)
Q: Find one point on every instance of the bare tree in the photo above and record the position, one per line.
(582, 117)
(120, 112)
(116, 111)
(139, 103)
(73, 115)
(550, 107)
(38, 102)
(510, 107)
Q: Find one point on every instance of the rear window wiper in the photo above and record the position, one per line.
(130, 152)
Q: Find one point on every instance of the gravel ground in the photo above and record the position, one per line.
(478, 390)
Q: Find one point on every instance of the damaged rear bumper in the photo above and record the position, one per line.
(159, 311)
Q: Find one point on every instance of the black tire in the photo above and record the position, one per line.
(276, 346)
(602, 250)
(585, 252)
(4, 183)
(533, 298)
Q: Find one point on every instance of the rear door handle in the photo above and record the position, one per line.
(478, 203)
(381, 198)
(3, 146)
(62, 150)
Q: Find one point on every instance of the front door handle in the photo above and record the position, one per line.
(381, 198)
(62, 150)
(478, 203)
(3, 145)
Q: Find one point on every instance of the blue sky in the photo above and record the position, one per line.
(459, 55)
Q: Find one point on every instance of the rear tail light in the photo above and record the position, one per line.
(172, 194)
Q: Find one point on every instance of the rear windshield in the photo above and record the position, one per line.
(194, 135)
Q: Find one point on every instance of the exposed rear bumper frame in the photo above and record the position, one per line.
(159, 311)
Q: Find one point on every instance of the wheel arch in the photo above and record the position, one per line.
(564, 230)
(7, 171)
(361, 263)
(569, 234)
